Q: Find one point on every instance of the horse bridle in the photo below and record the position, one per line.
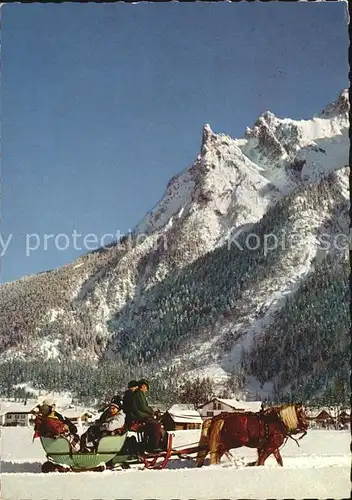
(300, 428)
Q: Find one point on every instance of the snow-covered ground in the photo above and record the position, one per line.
(319, 468)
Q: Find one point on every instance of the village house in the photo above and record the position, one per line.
(22, 414)
(344, 419)
(14, 414)
(319, 418)
(324, 419)
(328, 418)
(220, 405)
(181, 417)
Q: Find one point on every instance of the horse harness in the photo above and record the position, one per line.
(266, 428)
(266, 417)
(276, 416)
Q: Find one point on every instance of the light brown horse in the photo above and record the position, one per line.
(265, 430)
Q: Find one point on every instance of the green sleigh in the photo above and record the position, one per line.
(61, 457)
(110, 454)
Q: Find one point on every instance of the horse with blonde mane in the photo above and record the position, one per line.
(265, 430)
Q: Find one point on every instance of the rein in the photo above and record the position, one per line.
(296, 439)
(289, 432)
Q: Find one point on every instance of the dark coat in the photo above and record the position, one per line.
(127, 404)
(140, 408)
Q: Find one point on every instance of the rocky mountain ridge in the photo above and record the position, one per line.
(179, 290)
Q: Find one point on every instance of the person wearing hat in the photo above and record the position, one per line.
(48, 406)
(49, 423)
(127, 400)
(109, 410)
(113, 418)
(111, 422)
(143, 413)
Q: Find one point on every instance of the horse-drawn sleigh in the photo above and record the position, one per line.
(113, 452)
(265, 430)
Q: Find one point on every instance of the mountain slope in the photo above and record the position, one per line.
(317, 341)
(187, 287)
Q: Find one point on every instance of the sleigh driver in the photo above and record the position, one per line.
(142, 416)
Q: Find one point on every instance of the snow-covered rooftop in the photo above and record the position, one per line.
(238, 405)
(242, 405)
(184, 414)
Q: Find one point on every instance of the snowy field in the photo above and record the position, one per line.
(319, 468)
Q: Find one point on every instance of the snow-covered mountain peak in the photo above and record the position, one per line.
(206, 185)
(278, 152)
(208, 137)
(293, 151)
(339, 107)
(271, 140)
(266, 118)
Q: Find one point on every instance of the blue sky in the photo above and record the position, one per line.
(103, 103)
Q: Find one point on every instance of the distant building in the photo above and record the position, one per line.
(181, 417)
(220, 405)
(14, 414)
(344, 419)
(21, 414)
(328, 418)
(324, 417)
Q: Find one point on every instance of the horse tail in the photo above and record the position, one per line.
(204, 442)
(214, 440)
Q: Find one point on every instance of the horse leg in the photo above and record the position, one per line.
(216, 453)
(215, 445)
(278, 457)
(220, 454)
(256, 462)
(251, 464)
(263, 455)
(201, 457)
(215, 456)
(204, 442)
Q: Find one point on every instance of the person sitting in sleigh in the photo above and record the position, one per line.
(110, 423)
(51, 424)
(144, 414)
